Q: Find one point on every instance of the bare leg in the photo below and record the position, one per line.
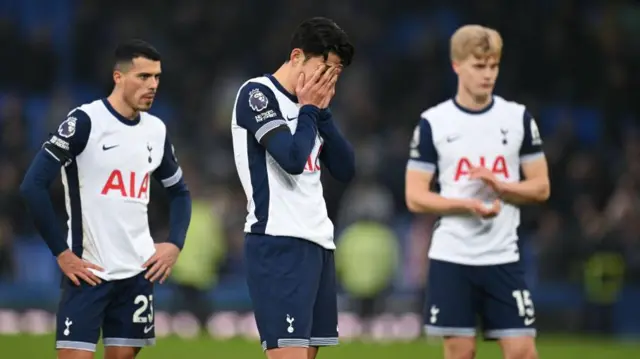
(74, 354)
(459, 348)
(287, 353)
(312, 352)
(112, 352)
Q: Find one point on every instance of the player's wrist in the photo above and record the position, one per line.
(501, 188)
(312, 112)
(177, 245)
(462, 205)
(310, 108)
(470, 206)
(62, 253)
(325, 114)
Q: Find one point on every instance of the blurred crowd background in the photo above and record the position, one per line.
(573, 63)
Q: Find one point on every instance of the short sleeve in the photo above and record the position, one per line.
(169, 172)
(70, 139)
(531, 147)
(423, 155)
(257, 110)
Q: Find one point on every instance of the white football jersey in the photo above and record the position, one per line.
(278, 203)
(450, 140)
(107, 162)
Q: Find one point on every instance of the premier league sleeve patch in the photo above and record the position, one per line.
(68, 128)
(257, 100)
(536, 139)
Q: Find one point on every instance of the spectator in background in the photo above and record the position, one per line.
(196, 270)
(6, 260)
(367, 257)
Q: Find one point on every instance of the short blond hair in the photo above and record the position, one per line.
(476, 40)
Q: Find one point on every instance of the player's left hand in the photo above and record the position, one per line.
(487, 177)
(332, 88)
(161, 262)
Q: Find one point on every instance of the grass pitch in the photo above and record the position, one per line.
(42, 347)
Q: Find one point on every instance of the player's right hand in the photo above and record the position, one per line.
(480, 209)
(76, 268)
(315, 90)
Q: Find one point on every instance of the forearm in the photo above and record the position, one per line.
(527, 191)
(179, 213)
(35, 192)
(291, 151)
(337, 153)
(430, 202)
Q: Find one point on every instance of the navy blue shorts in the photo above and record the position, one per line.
(122, 309)
(458, 295)
(292, 284)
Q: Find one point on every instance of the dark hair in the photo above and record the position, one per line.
(131, 49)
(319, 36)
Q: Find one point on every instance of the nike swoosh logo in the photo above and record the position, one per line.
(529, 321)
(148, 329)
(452, 138)
(105, 148)
(291, 118)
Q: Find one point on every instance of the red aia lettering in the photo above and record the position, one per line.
(499, 167)
(116, 183)
(312, 165)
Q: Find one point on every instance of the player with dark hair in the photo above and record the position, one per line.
(107, 150)
(283, 134)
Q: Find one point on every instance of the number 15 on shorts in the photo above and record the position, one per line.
(525, 306)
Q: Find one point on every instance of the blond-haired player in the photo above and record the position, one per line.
(478, 143)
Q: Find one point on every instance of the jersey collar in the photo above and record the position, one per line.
(473, 112)
(118, 116)
(281, 88)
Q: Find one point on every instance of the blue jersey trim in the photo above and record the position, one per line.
(118, 116)
(257, 156)
(75, 215)
(281, 88)
(473, 112)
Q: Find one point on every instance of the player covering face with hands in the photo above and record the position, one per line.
(284, 136)
(319, 87)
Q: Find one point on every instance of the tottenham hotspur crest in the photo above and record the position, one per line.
(434, 314)
(290, 320)
(257, 100)
(67, 327)
(149, 148)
